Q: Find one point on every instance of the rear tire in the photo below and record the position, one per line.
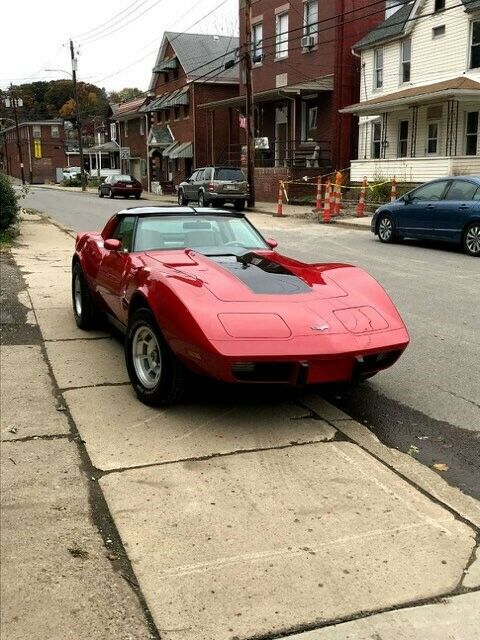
(386, 228)
(239, 205)
(156, 374)
(181, 199)
(84, 310)
(471, 239)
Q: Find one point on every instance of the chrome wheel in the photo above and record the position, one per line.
(77, 294)
(385, 229)
(472, 240)
(147, 357)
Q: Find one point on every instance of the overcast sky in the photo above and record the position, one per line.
(118, 44)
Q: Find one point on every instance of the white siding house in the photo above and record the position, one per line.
(419, 109)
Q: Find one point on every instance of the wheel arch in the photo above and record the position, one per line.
(379, 216)
(138, 301)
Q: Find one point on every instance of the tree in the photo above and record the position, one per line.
(124, 95)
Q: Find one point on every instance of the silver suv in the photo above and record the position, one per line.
(214, 185)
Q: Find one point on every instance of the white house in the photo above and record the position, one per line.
(419, 109)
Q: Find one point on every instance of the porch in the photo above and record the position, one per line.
(420, 133)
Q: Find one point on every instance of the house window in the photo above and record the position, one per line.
(185, 110)
(309, 121)
(439, 5)
(406, 56)
(432, 137)
(376, 139)
(402, 139)
(257, 36)
(378, 69)
(55, 131)
(125, 128)
(176, 113)
(142, 127)
(310, 18)
(475, 46)
(113, 131)
(37, 131)
(281, 35)
(471, 133)
(438, 32)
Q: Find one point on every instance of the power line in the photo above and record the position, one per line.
(102, 26)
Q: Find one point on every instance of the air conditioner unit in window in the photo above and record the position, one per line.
(257, 57)
(307, 42)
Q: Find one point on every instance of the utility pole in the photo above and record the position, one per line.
(77, 115)
(13, 98)
(249, 105)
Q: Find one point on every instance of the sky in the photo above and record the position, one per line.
(117, 41)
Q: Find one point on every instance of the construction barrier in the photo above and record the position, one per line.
(393, 194)
(361, 200)
(318, 205)
(280, 200)
(338, 193)
(326, 217)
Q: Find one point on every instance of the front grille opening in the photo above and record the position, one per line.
(263, 371)
(368, 364)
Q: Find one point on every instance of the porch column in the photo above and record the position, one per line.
(100, 165)
(452, 128)
(384, 134)
(413, 136)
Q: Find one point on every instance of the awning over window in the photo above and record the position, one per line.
(168, 150)
(168, 100)
(169, 64)
(183, 150)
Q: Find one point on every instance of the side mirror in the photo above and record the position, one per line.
(407, 198)
(272, 243)
(112, 244)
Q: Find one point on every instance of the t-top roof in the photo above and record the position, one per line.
(176, 210)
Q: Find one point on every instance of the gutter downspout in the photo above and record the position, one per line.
(194, 113)
(147, 135)
(29, 155)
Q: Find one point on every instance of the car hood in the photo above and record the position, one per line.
(254, 276)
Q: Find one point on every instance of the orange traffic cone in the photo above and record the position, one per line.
(393, 194)
(338, 193)
(318, 204)
(280, 201)
(361, 200)
(326, 206)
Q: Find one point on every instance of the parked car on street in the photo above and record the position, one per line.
(216, 186)
(447, 209)
(121, 185)
(202, 290)
(72, 173)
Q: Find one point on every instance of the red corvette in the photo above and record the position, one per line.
(202, 290)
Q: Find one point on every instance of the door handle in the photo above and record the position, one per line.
(463, 206)
(430, 206)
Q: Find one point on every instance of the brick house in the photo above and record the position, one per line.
(419, 106)
(43, 150)
(189, 70)
(130, 130)
(303, 72)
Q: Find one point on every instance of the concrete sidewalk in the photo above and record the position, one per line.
(256, 516)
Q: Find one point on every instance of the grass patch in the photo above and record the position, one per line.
(7, 237)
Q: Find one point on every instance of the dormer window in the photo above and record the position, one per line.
(439, 5)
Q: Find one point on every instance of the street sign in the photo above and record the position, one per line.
(125, 153)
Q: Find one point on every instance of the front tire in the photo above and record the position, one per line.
(386, 228)
(156, 374)
(181, 199)
(471, 239)
(84, 310)
(100, 193)
(111, 195)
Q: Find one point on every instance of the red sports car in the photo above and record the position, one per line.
(202, 290)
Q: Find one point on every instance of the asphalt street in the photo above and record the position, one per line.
(428, 404)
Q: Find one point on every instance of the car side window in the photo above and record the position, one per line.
(124, 232)
(428, 192)
(208, 174)
(200, 174)
(193, 177)
(476, 195)
(462, 190)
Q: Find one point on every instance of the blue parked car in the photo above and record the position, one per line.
(446, 209)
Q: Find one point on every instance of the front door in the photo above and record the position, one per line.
(281, 135)
(462, 197)
(415, 217)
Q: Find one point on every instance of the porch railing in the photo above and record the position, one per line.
(274, 152)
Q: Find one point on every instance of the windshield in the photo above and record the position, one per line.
(208, 234)
(229, 174)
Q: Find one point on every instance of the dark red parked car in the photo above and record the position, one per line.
(203, 290)
(122, 185)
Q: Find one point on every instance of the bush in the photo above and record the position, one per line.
(9, 207)
(72, 182)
